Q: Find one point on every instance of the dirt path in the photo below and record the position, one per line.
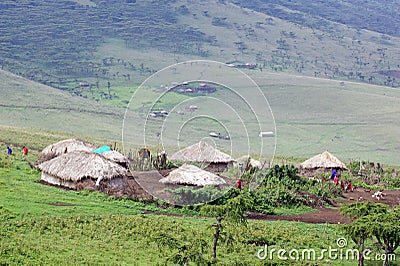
(332, 215)
(321, 216)
(149, 182)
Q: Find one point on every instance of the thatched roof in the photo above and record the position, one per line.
(64, 146)
(201, 152)
(115, 156)
(78, 165)
(192, 175)
(323, 160)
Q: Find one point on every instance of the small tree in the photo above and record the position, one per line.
(232, 212)
(357, 210)
(360, 229)
(386, 229)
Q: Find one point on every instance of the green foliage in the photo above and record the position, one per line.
(357, 210)
(277, 195)
(6, 214)
(310, 14)
(68, 51)
(190, 195)
(373, 220)
(150, 240)
(325, 190)
(6, 161)
(233, 210)
(386, 230)
(182, 249)
(286, 175)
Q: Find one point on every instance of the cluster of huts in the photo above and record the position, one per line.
(77, 164)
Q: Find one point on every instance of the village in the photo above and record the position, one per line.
(77, 164)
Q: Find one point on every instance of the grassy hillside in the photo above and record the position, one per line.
(101, 50)
(62, 43)
(379, 16)
(28, 104)
(354, 121)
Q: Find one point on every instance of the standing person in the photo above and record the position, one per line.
(25, 151)
(239, 184)
(336, 180)
(333, 174)
(9, 151)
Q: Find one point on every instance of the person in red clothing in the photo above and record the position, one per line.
(343, 185)
(239, 184)
(25, 150)
(336, 180)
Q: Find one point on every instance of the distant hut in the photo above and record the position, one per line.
(323, 162)
(193, 176)
(247, 162)
(204, 153)
(63, 147)
(72, 168)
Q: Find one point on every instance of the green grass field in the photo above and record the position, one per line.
(43, 225)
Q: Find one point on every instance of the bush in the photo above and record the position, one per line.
(286, 175)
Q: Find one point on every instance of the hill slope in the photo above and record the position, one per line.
(25, 103)
(60, 42)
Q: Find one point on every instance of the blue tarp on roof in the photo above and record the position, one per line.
(102, 149)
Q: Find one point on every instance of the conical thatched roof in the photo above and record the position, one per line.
(115, 156)
(192, 175)
(64, 146)
(323, 160)
(78, 165)
(201, 152)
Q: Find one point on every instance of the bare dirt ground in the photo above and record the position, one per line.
(149, 181)
(332, 215)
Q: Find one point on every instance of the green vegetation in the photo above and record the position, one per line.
(322, 14)
(48, 225)
(73, 66)
(373, 220)
(97, 45)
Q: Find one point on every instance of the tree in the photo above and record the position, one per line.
(386, 229)
(357, 210)
(233, 212)
(360, 229)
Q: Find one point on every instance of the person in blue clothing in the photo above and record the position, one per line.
(333, 174)
(9, 151)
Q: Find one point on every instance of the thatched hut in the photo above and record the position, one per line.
(71, 168)
(63, 147)
(247, 162)
(204, 153)
(323, 162)
(116, 157)
(192, 175)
